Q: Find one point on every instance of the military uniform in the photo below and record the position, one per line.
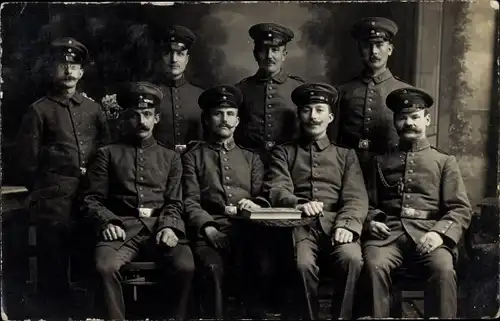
(308, 170)
(268, 116)
(57, 138)
(216, 176)
(415, 189)
(180, 120)
(136, 184)
(363, 121)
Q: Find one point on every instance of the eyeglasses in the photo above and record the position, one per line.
(70, 66)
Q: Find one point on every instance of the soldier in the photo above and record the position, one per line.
(220, 178)
(135, 202)
(58, 135)
(180, 116)
(268, 116)
(321, 179)
(420, 211)
(364, 123)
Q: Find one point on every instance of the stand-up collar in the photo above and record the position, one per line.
(414, 146)
(140, 142)
(322, 143)
(280, 77)
(76, 99)
(386, 74)
(218, 145)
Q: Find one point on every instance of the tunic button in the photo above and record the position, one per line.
(230, 195)
(316, 189)
(176, 98)
(368, 109)
(142, 195)
(178, 134)
(269, 125)
(140, 188)
(315, 164)
(177, 106)
(140, 151)
(223, 152)
(78, 133)
(369, 99)
(268, 115)
(270, 96)
(228, 178)
(269, 106)
(141, 178)
(409, 180)
(83, 152)
(368, 119)
(81, 143)
(226, 167)
(410, 171)
(225, 159)
(411, 162)
(228, 187)
(270, 88)
(408, 196)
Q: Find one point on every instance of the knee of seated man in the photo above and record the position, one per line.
(184, 264)
(306, 263)
(106, 266)
(377, 263)
(350, 256)
(441, 262)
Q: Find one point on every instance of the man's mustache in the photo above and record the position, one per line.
(410, 129)
(314, 123)
(226, 126)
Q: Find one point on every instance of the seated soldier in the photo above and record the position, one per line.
(321, 179)
(135, 201)
(220, 178)
(419, 211)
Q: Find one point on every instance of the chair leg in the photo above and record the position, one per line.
(397, 303)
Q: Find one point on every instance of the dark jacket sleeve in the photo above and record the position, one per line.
(29, 144)
(258, 181)
(455, 203)
(171, 213)
(279, 185)
(97, 192)
(104, 136)
(196, 217)
(353, 196)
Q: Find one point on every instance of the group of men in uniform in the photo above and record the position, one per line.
(188, 157)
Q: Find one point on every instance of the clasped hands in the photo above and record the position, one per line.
(165, 236)
(314, 208)
(427, 243)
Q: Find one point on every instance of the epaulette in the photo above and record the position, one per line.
(85, 95)
(297, 78)
(162, 144)
(340, 145)
(192, 145)
(440, 150)
(38, 101)
(244, 80)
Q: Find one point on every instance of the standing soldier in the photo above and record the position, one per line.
(180, 120)
(58, 135)
(268, 116)
(364, 123)
(135, 200)
(420, 212)
(321, 179)
(220, 177)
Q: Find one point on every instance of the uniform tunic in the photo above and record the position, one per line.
(57, 138)
(131, 175)
(180, 120)
(321, 171)
(362, 113)
(268, 116)
(420, 178)
(415, 189)
(217, 176)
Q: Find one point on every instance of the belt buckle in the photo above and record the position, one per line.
(180, 148)
(364, 144)
(231, 210)
(409, 212)
(145, 212)
(83, 170)
(270, 144)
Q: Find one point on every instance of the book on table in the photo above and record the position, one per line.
(276, 213)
